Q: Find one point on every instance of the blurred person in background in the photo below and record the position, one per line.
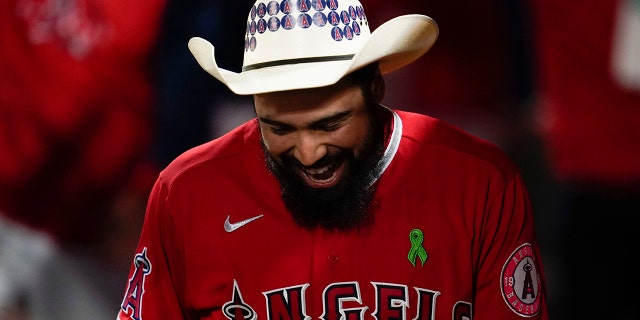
(587, 115)
(75, 128)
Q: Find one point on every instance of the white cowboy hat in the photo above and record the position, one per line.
(314, 44)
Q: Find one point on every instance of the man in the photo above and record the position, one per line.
(329, 205)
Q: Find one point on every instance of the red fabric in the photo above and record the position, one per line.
(463, 194)
(75, 107)
(590, 125)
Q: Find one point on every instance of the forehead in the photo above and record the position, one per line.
(315, 102)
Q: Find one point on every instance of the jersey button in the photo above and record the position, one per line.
(333, 258)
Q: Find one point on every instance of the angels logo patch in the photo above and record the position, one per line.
(132, 303)
(520, 282)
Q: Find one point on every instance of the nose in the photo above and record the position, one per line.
(309, 149)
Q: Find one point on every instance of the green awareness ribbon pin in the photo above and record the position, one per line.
(417, 250)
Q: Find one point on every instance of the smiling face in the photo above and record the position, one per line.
(312, 125)
(321, 144)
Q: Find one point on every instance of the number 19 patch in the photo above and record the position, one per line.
(520, 282)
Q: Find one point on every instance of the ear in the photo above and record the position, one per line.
(377, 87)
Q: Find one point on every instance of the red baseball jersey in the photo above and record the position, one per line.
(452, 238)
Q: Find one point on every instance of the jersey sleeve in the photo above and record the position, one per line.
(153, 290)
(510, 278)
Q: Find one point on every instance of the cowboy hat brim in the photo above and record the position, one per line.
(394, 44)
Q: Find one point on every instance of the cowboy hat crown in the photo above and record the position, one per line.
(298, 44)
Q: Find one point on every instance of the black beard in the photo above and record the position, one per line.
(342, 207)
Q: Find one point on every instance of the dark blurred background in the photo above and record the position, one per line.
(97, 96)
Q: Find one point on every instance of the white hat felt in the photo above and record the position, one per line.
(298, 44)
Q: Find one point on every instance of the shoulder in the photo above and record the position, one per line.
(436, 139)
(218, 155)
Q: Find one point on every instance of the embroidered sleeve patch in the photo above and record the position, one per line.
(520, 282)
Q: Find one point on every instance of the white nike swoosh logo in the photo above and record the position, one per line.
(230, 227)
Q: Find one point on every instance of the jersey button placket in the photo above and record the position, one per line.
(333, 257)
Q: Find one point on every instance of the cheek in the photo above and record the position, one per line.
(356, 139)
(275, 145)
(349, 139)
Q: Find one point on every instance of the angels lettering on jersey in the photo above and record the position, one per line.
(343, 300)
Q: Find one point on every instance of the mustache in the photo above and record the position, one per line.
(327, 159)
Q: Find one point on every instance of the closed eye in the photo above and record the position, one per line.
(281, 129)
(328, 127)
(327, 124)
(331, 123)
